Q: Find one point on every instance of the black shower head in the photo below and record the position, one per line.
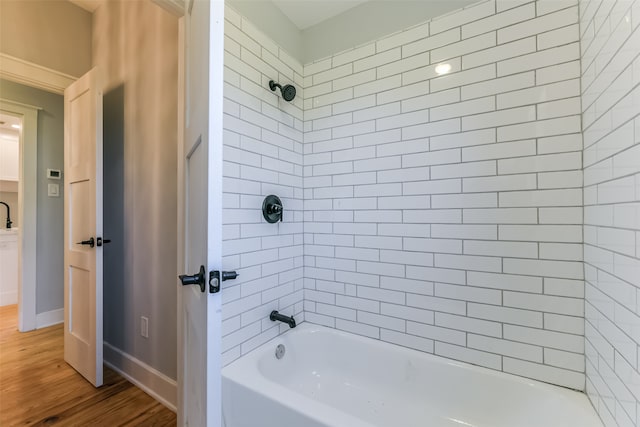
(288, 91)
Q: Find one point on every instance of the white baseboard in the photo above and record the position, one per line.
(49, 318)
(150, 380)
(8, 298)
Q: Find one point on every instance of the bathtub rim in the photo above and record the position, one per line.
(246, 372)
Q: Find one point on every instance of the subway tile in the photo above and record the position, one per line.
(541, 233)
(538, 25)
(555, 73)
(353, 55)
(474, 44)
(434, 303)
(431, 129)
(468, 293)
(386, 322)
(558, 269)
(403, 37)
(461, 109)
(436, 99)
(541, 198)
(430, 43)
(539, 59)
(499, 183)
(463, 139)
(545, 338)
(461, 170)
(563, 377)
(436, 333)
(469, 355)
(499, 85)
(541, 163)
(500, 216)
(406, 340)
(499, 20)
(539, 94)
(476, 200)
(505, 282)
(510, 249)
(505, 315)
(469, 262)
(505, 347)
(462, 78)
(463, 16)
(463, 323)
(403, 65)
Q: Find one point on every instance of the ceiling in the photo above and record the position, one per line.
(307, 13)
(303, 13)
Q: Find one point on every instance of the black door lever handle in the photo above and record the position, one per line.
(91, 242)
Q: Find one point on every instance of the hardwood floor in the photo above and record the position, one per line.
(37, 387)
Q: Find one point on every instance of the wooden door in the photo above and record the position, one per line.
(199, 310)
(83, 226)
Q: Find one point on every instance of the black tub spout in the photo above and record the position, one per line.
(289, 320)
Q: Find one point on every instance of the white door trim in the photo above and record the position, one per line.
(27, 212)
(180, 217)
(34, 75)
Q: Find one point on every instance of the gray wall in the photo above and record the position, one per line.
(271, 21)
(50, 256)
(136, 44)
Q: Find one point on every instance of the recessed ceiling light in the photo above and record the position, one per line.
(443, 68)
(15, 126)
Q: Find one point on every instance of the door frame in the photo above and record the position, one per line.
(27, 211)
(37, 76)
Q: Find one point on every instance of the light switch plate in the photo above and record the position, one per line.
(54, 190)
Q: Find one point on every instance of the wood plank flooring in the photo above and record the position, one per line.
(37, 387)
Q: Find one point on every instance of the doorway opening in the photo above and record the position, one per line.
(21, 177)
(10, 129)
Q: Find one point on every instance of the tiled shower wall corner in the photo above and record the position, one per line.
(262, 155)
(610, 41)
(444, 213)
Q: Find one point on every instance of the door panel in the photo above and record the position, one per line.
(201, 195)
(82, 221)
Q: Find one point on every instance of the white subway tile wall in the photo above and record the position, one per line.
(263, 154)
(610, 36)
(444, 212)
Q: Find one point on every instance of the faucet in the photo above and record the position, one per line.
(289, 320)
(8, 214)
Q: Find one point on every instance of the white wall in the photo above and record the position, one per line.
(262, 156)
(610, 41)
(445, 213)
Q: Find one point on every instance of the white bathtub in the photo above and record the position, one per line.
(332, 378)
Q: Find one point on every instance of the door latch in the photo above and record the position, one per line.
(100, 241)
(219, 276)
